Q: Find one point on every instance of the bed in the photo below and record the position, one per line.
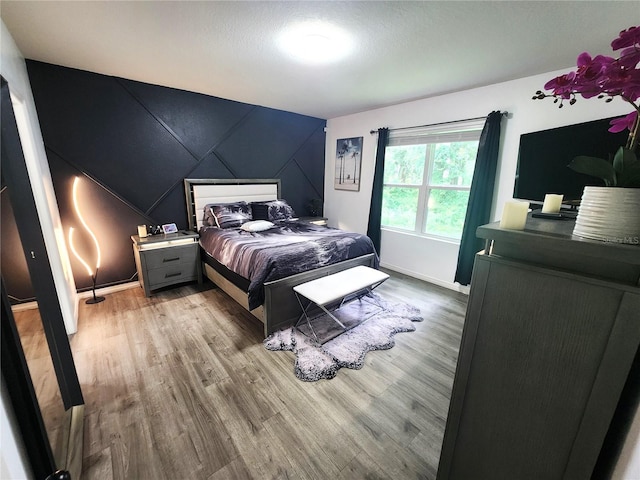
(263, 283)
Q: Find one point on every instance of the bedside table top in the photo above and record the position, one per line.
(319, 220)
(168, 238)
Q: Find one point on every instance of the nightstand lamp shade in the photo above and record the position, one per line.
(93, 273)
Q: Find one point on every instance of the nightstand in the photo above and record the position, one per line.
(315, 220)
(164, 260)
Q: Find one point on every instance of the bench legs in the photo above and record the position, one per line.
(364, 292)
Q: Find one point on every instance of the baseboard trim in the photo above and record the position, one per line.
(451, 286)
(19, 307)
(110, 289)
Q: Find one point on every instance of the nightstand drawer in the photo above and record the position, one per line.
(171, 274)
(168, 257)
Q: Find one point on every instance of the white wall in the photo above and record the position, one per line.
(13, 459)
(14, 71)
(430, 259)
(435, 260)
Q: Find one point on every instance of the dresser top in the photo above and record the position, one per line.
(552, 243)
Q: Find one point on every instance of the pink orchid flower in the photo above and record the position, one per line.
(623, 123)
(630, 57)
(627, 38)
(562, 86)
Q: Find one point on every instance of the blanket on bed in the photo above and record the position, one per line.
(288, 248)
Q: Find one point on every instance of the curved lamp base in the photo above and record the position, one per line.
(93, 300)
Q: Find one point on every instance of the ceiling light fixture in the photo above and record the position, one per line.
(315, 42)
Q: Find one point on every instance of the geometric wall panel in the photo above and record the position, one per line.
(110, 218)
(15, 272)
(189, 115)
(92, 122)
(266, 141)
(133, 143)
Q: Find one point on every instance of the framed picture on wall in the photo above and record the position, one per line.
(348, 164)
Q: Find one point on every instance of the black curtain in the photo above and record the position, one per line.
(375, 212)
(480, 196)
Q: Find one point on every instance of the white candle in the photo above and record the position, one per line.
(514, 215)
(142, 231)
(552, 203)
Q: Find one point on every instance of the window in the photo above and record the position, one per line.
(427, 177)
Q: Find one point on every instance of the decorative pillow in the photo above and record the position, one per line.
(272, 211)
(226, 215)
(257, 226)
(209, 220)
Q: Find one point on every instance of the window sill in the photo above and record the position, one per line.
(436, 238)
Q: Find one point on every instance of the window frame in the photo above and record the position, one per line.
(464, 131)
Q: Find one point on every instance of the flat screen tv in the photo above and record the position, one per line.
(543, 158)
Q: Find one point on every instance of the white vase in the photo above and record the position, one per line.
(609, 214)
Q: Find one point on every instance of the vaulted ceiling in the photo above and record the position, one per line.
(401, 50)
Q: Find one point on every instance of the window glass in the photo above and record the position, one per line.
(446, 212)
(404, 165)
(453, 163)
(399, 207)
(427, 178)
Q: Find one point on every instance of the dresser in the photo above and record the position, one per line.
(167, 259)
(551, 332)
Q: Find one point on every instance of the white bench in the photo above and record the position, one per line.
(356, 281)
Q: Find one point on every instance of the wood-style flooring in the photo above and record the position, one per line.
(179, 386)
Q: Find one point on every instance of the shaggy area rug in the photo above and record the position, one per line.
(371, 324)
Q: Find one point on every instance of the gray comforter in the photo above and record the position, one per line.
(288, 248)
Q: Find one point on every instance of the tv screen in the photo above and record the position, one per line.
(543, 158)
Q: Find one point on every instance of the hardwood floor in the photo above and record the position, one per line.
(45, 384)
(179, 386)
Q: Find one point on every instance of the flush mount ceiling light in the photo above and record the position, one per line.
(315, 42)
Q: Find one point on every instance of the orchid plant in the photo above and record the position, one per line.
(606, 78)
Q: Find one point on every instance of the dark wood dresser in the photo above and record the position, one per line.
(551, 332)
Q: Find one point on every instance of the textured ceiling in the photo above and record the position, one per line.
(403, 50)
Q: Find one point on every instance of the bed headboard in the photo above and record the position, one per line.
(203, 191)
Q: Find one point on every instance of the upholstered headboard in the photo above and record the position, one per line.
(203, 191)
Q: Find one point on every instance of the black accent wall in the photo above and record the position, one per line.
(133, 143)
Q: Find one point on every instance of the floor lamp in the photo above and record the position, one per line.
(93, 273)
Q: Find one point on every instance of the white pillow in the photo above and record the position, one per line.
(257, 226)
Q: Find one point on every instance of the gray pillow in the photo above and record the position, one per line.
(272, 211)
(226, 215)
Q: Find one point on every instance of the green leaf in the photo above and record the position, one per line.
(596, 167)
(623, 159)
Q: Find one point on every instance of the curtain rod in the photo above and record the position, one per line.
(372, 132)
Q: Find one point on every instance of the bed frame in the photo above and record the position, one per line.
(281, 308)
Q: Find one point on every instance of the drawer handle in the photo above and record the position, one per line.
(169, 275)
(165, 260)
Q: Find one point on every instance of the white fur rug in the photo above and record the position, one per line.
(369, 328)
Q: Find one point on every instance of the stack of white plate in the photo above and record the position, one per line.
(609, 214)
